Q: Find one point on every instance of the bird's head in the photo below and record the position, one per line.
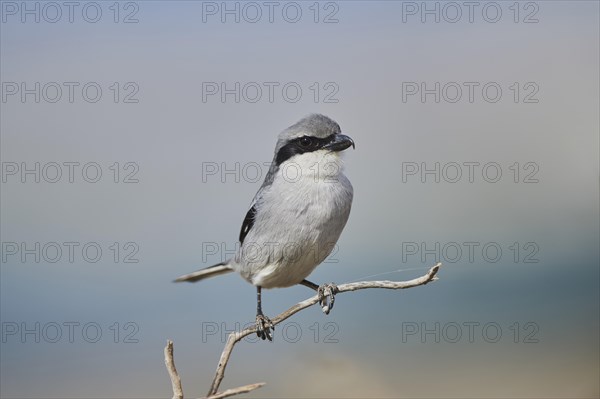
(315, 134)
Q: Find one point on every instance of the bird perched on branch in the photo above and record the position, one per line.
(296, 217)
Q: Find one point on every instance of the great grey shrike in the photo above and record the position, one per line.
(296, 217)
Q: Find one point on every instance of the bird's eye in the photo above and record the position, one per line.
(305, 141)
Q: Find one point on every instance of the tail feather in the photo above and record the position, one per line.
(211, 271)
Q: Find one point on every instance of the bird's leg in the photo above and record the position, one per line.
(326, 294)
(263, 323)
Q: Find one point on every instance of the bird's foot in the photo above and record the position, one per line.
(326, 294)
(264, 327)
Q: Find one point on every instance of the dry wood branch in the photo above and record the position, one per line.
(235, 337)
(176, 381)
(170, 363)
(237, 391)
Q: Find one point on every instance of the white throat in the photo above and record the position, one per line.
(319, 166)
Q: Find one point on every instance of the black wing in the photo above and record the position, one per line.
(248, 223)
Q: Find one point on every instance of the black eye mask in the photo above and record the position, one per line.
(302, 145)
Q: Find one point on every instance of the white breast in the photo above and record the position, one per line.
(298, 221)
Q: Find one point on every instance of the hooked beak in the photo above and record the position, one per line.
(339, 143)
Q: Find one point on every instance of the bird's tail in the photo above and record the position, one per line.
(211, 271)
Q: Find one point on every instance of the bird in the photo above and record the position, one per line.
(296, 217)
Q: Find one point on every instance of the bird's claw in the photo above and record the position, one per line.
(326, 294)
(264, 327)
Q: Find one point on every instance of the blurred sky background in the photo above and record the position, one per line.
(544, 296)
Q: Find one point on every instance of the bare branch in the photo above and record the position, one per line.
(235, 337)
(170, 363)
(237, 391)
